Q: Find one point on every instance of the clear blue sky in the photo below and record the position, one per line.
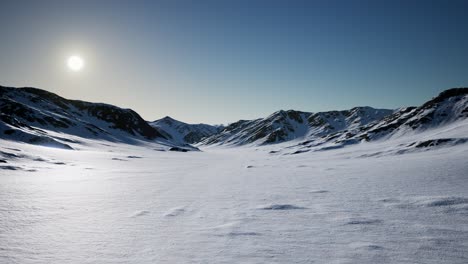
(220, 61)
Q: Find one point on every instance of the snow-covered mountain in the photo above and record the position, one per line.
(325, 123)
(278, 127)
(36, 116)
(345, 127)
(283, 126)
(448, 108)
(184, 133)
(39, 117)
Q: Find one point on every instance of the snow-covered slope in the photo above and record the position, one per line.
(185, 133)
(123, 203)
(288, 125)
(39, 117)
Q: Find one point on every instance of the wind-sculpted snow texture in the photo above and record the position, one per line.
(120, 203)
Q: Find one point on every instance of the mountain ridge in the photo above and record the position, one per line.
(33, 115)
(37, 116)
(286, 125)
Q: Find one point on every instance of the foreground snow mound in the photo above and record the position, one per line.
(281, 207)
(447, 201)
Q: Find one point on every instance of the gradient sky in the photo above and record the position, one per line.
(220, 61)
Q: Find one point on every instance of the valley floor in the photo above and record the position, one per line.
(128, 204)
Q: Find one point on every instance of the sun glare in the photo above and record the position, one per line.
(75, 63)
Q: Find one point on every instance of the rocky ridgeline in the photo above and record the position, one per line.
(30, 115)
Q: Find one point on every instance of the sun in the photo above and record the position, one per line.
(75, 63)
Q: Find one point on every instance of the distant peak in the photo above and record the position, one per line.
(362, 108)
(167, 118)
(285, 112)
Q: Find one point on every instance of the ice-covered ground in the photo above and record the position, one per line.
(118, 203)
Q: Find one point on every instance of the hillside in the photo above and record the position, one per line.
(36, 116)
